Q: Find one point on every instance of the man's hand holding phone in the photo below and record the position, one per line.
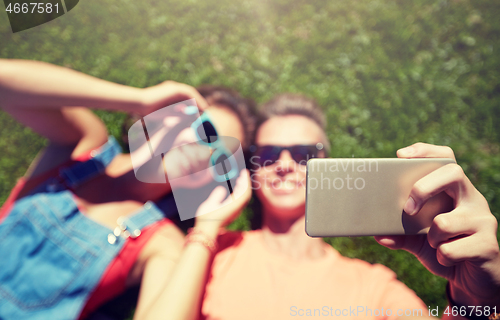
(461, 245)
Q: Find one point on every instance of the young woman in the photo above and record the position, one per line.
(79, 227)
(278, 272)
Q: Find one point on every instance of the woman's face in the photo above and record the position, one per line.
(281, 186)
(188, 159)
(226, 123)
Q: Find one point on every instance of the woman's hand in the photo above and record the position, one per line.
(187, 166)
(461, 245)
(181, 297)
(219, 209)
(168, 93)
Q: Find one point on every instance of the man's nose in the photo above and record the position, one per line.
(286, 164)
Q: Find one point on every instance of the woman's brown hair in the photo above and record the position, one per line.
(222, 97)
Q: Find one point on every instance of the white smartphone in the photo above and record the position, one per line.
(365, 197)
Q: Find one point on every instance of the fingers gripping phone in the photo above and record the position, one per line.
(365, 197)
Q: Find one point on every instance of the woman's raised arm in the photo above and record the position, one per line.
(33, 84)
(50, 100)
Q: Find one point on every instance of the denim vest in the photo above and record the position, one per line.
(51, 256)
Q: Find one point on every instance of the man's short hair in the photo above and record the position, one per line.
(294, 104)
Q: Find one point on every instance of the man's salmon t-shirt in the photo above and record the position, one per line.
(247, 281)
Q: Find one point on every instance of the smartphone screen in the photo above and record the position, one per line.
(365, 197)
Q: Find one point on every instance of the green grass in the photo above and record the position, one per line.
(388, 74)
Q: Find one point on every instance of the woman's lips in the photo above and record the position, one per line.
(285, 186)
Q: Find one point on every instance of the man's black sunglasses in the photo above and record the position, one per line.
(268, 155)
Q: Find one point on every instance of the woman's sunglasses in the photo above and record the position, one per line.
(223, 164)
(268, 155)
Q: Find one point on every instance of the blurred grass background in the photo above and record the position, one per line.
(387, 72)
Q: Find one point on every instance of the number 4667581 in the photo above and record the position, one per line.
(32, 8)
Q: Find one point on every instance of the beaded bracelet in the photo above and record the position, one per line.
(198, 236)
